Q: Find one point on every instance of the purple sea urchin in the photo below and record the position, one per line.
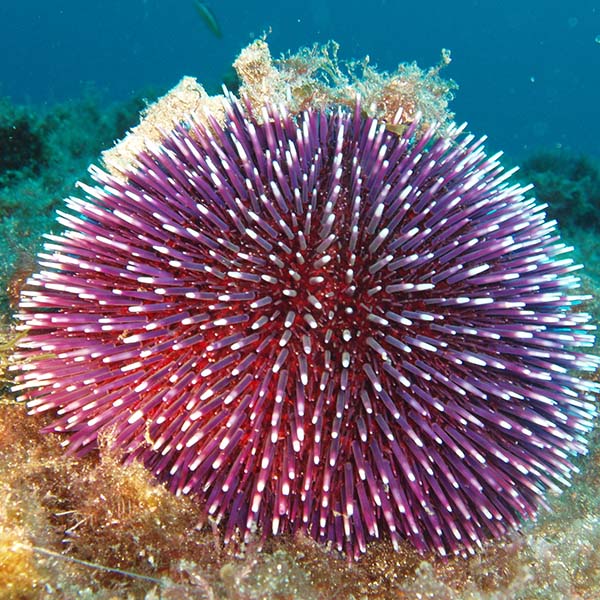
(316, 324)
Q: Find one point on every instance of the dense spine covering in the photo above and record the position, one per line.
(315, 324)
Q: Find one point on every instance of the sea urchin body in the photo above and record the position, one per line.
(315, 324)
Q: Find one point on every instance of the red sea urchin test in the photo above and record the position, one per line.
(314, 324)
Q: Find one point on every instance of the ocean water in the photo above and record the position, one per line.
(528, 70)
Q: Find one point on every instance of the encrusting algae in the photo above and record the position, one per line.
(314, 77)
(93, 528)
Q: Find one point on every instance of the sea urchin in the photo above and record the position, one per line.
(313, 323)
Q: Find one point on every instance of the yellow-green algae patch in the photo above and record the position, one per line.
(312, 78)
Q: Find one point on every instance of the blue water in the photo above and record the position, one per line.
(528, 70)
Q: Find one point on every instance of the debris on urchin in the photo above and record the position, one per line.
(313, 323)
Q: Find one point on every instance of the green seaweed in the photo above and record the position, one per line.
(570, 184)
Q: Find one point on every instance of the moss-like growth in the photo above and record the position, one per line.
(311, 78)
(42, 155)
(23, 149)
(19, 574)
(316, 77)
(570, 184)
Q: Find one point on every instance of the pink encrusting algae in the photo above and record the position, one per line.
(314, 323)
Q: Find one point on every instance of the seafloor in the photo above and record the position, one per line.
(90, 528)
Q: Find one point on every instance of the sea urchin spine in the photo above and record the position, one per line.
(315, 324)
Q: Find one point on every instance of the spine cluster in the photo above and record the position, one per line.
(315, 324)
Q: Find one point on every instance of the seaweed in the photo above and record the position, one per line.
(22, 149)
(570, 184)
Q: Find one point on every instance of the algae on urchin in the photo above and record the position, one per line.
(312, 78)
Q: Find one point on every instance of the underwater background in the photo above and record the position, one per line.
(74, 77)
